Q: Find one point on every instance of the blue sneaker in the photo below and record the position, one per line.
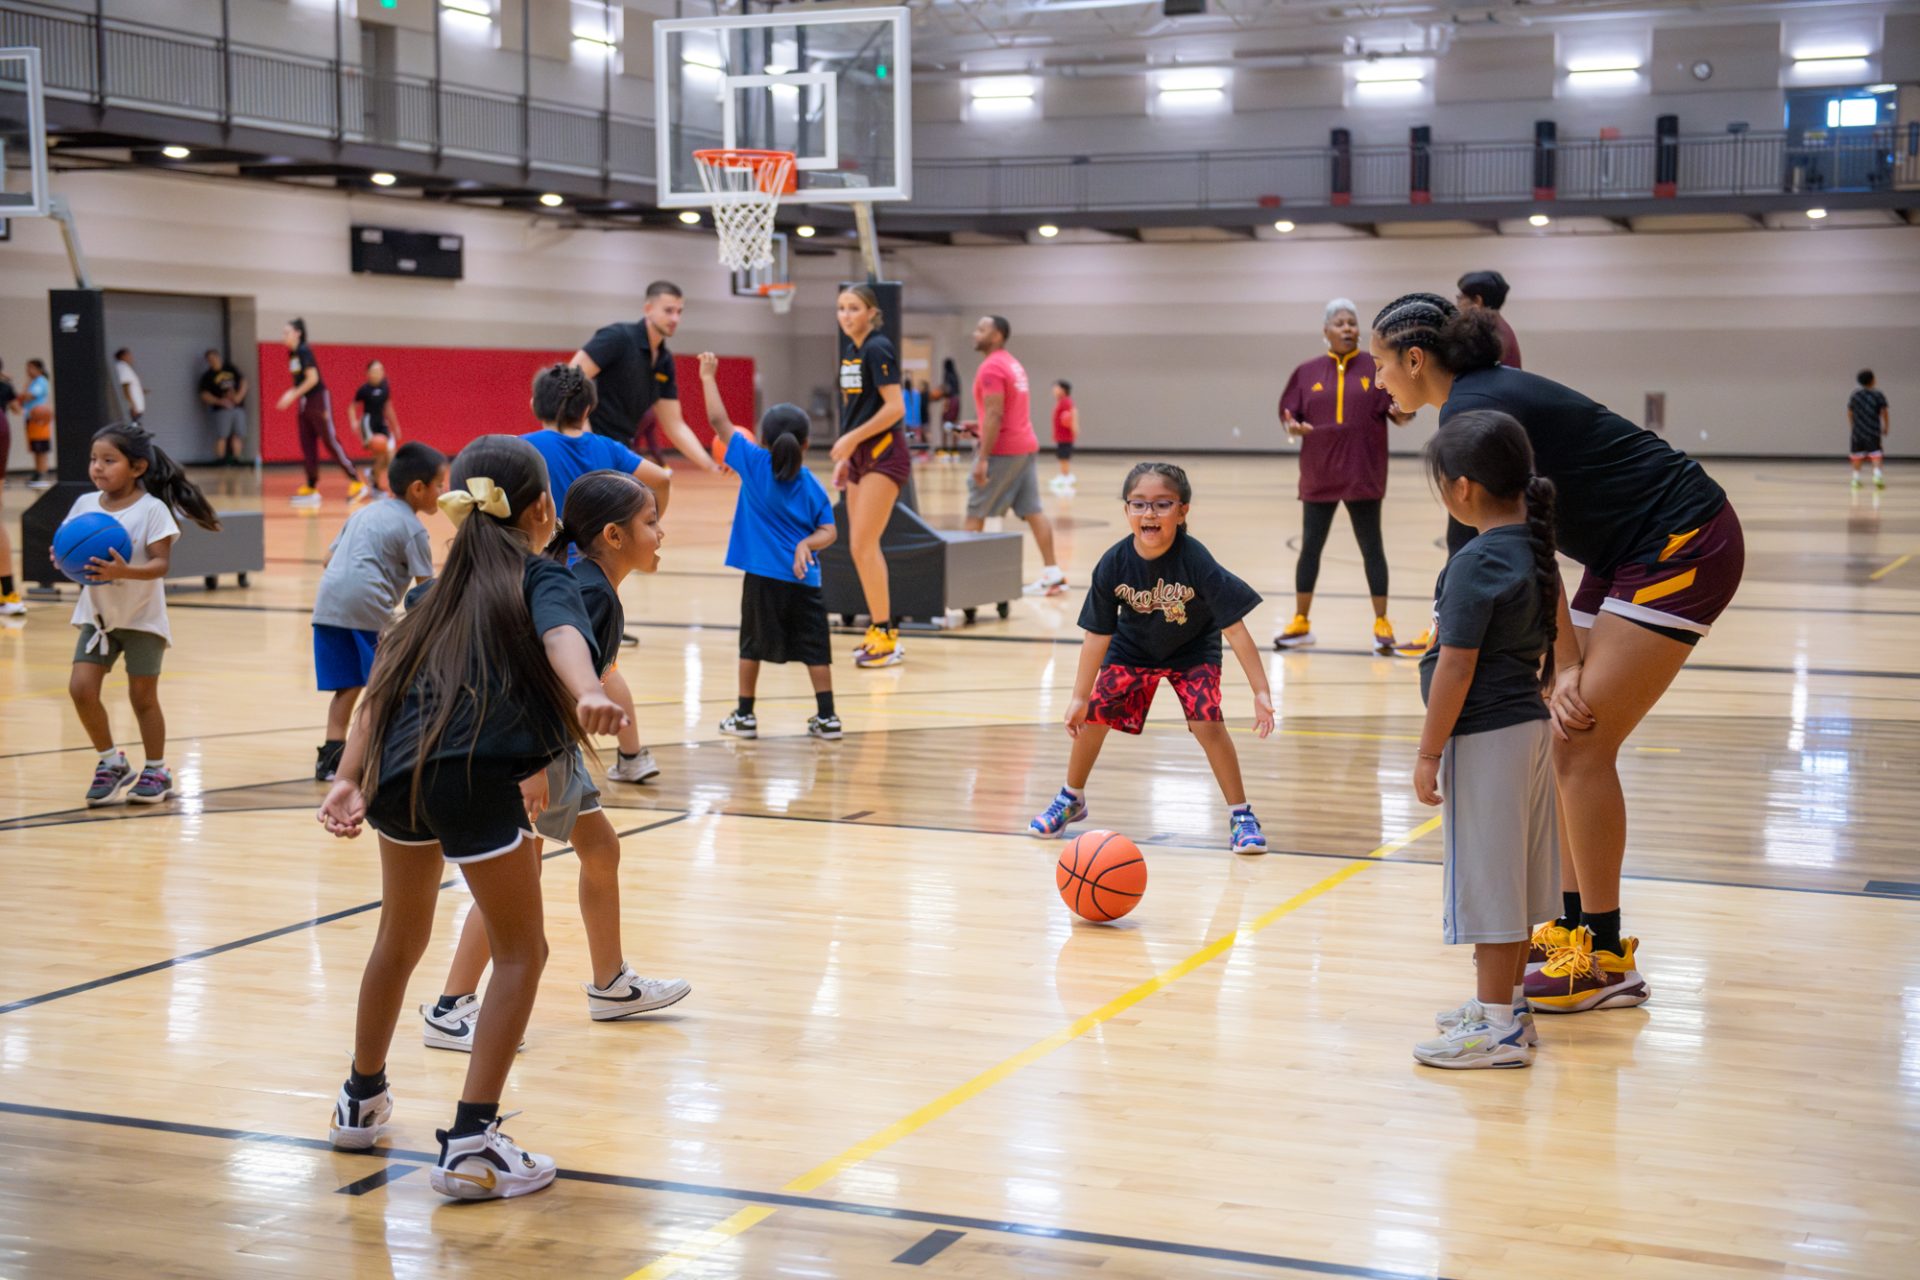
(1066, 809)
(1246, 835)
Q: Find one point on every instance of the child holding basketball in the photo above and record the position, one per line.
(478, 688)
(1157, 609)
(1486, 749)
(615, 522)
(381, 548)
(781, 521)
(123, 606)
(376, 421)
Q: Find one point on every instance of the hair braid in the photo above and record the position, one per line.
(1546, 569)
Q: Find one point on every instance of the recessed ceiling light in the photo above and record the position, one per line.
(381, 179)
(690, 216)
(1048, 231)
(553, 200)
(805, 233)
(1539, 220)
(1816, 214)
(1283, 226)
(175, 153)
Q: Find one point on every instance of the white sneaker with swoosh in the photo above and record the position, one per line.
(359, 1122)
(630, 994)
(1471, 1045)
(455, 1028)
(488, 1165)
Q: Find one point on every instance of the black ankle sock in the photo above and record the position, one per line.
(445, 1004)
(6, 584)
(746, 705)
(472, 1117)
(624, 756)
(823, 702)
(360, 1087)
(1605, 927)
(1569, 911)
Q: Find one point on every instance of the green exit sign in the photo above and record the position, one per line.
(389, 4)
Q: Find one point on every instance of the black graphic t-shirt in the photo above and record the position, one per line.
(1487, 598)
(863, 371)
(373, 397)
(219, 383)
(302, 360)
(1167, 612)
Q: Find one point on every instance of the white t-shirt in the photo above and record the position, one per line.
(130, 383)
(137, 604)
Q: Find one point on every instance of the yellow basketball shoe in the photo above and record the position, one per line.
(881, 649)
(1383, 636)
(1547, 939)
(1577, 979)
(1416, 647)
(1295, 634)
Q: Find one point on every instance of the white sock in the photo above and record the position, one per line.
(1499, 1017)
(156, 764)
(109, 755)
(1519, 997)
(1078, 793)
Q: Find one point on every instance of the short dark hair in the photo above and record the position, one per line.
(35, 362)
(1064, 385)
(300, 326)
(413, 461)
(1866, 377)
(1000, 323)
(663, 288)
(215, 351)
(1488, 286)
(122, 353)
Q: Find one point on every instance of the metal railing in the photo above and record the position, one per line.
(125, 63)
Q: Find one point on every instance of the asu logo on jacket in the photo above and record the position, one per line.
(1167, 598)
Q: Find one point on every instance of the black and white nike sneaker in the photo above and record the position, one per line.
(630, 994)
(488, 1165)
(455, 1028)
(359, 1122)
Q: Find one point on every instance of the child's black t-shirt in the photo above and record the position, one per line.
(1487, 598)
(602, 603)
(518, 733)
(1167, 612)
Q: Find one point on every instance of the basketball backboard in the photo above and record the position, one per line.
(829, 86)
(23, 136)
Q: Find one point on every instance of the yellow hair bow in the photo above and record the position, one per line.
(481, 494)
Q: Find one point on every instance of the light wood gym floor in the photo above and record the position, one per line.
(901, 1052)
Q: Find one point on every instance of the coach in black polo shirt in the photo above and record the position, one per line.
(632, 370)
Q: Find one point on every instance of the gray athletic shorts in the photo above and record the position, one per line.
(1012, 484)
(571, 796)
(1503, 845)
(227, 420)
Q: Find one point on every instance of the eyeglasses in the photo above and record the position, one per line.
(1158, 507)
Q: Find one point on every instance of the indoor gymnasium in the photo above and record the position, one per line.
(996, 638)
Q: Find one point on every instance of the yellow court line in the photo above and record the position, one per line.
(1884, 570)
(707, 1241)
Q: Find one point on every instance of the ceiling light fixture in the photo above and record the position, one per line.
(175, 152)
(381, 179)
(690, 216)
(1849, 53)
(1601, 66)
(1048, 231)
(1284, 227)
(805, 233)
(1539, 220)
(1816, 214)
(553, 199)
(1001, 87)
(1396, 72)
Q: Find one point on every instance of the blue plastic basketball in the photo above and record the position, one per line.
(92, 535)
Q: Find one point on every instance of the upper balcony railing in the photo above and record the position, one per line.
(123, 63)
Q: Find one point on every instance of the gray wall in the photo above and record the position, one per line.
(169, 335)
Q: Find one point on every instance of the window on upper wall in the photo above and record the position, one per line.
(596, 27)
(1853, 113)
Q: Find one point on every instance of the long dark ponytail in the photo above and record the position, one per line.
(1462, 341)
(471, 634)
(163, 477)
(563, 395)
(594, 501)
(1491, 449)
(784, 430)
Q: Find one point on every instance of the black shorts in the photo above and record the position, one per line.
(1865, 444)
(1063, 450)
(472, 815)
(783, 622)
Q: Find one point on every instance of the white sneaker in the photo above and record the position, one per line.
(638, 769)
(1474, 1011)
(1058, 484)
(38, 485)
(305, 498)
(488, 1165)
(1475, 1045)
(455, 1028)
(740, 724)
(358, 1123)
(630, 994)
(12, 606)
(1053, 580)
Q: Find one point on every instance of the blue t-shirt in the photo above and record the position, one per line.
(570, 457)
(770, 518)
(36, 394)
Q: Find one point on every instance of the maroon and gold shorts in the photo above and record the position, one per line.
(884, 455)
(1121, 695)
(1680, 590)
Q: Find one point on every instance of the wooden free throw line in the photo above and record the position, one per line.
(746, 1219)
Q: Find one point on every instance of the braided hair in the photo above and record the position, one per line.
(1491, 449)
(1462, 341)
(563, 395)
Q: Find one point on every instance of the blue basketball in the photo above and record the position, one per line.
(92, 535)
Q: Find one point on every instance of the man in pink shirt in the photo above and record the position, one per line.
(1006, 468)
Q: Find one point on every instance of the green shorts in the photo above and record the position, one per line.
(144, 650)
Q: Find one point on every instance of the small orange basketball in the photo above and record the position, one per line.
(1101, 876)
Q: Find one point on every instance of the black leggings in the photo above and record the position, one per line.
(1365, 519)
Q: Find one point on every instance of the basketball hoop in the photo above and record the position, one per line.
(744, 188)
(781, 295)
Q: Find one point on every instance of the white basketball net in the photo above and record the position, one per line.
(745, 187)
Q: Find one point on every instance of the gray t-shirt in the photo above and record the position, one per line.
(382, 548)
(1488, 599)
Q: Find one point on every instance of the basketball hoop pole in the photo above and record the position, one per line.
(869, 242)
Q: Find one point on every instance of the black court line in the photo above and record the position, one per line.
(173, 807)
(855, 816)
(929, 1247)
(1893, 889)
(376, 1180)
(776, 1199)
(204, 953)
(184, 737)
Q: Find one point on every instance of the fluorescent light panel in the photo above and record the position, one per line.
(1394, 72)
(471, 8)
(1001, 87)
(1190, 79)
(1601, 66)
(1849, 53)
(1191, 97)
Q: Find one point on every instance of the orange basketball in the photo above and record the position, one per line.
(1101, 876)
